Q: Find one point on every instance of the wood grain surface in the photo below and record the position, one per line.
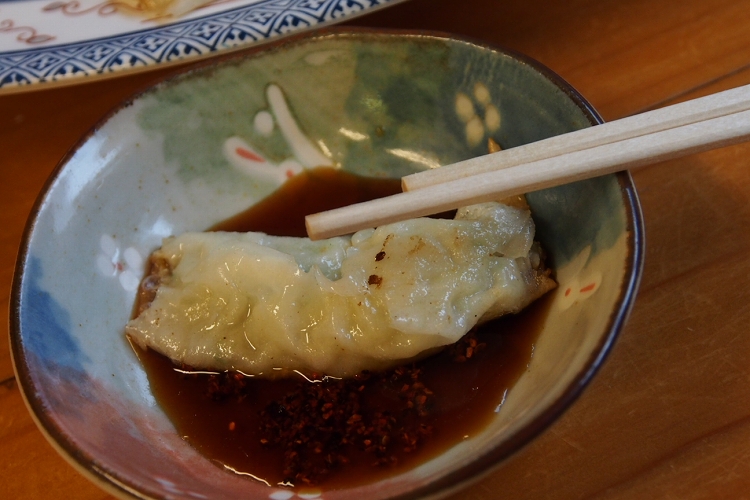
(668, 416)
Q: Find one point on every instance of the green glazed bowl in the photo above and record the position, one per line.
(201, 147)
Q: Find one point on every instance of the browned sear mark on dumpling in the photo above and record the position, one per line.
(158, 271)
(419, 245)
(374, 279)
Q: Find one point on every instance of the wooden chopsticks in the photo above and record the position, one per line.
(709, 122)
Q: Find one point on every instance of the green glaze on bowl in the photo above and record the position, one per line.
(387, 92)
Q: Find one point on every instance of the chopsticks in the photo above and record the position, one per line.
(710, 122)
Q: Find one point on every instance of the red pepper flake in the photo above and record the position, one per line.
(379, 256)
(222, 386)
(318, 425)
(466, 348)
(315, 443)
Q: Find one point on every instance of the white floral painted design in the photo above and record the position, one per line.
(576, 282)
(246, 159)
(125, 265)
(306, 154)
(480, 116)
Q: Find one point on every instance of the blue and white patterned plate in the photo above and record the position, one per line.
(61, 41)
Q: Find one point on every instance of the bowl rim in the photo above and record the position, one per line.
(468, 472)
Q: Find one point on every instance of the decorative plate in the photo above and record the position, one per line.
(45, 41)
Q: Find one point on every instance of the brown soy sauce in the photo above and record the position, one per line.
(283, 212)
(466, 394)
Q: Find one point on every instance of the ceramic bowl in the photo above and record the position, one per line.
(201, 147)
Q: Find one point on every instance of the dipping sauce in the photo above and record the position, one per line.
(423, 408)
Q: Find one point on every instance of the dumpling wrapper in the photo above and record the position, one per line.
(267, 305)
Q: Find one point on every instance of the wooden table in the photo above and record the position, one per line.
(668, 416)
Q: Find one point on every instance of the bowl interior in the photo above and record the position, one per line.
(202, 147)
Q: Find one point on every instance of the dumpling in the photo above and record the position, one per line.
(266, 305)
